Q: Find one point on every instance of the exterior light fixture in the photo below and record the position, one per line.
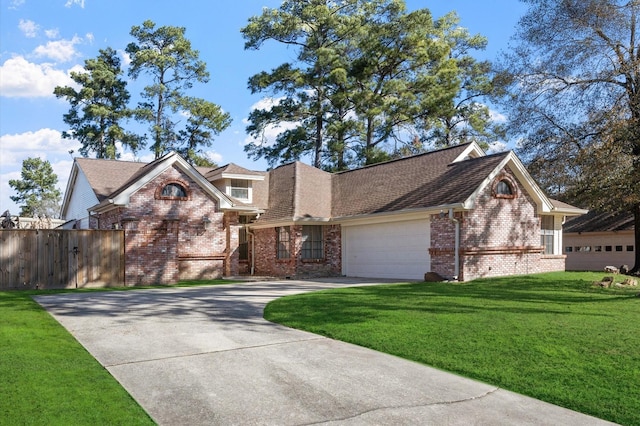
(206, 221)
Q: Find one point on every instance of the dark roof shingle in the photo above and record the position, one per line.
(107, 176)
(425, 180)
(600, 222)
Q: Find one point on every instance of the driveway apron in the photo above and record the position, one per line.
(206, 356)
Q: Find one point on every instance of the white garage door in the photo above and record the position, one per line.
(387, 250)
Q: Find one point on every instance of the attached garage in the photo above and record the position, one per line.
(386, 250)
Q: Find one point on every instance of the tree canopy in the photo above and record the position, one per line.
(573, 78)
(369, 79)
(37, 194)
(98, 107)
(166, 55)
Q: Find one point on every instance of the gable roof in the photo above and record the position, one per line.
(150, 171)
(437, 178)
(601, 222)
(567, 209)
(452, 177)
(233, 171)
(106, 176)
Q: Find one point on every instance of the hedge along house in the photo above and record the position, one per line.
(455, 211)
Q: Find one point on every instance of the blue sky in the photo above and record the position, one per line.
(41, 41)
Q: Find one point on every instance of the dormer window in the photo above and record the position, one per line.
(240, 189)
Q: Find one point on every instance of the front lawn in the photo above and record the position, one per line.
(550, 336)
(48, 378)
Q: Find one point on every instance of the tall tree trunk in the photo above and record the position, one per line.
(369, 142)
(317, 160)
(158, 136)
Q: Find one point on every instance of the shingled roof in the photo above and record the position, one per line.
(438, 178)
(600, 222)
(107, 176)
(298, 191)
(426, 180)
(230, 169)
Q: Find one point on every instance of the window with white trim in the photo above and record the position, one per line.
(240, 188)
(547, 234)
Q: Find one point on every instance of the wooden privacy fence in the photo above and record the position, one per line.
(53, 258)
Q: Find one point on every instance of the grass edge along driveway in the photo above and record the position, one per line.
(47, 377)
(552, 336)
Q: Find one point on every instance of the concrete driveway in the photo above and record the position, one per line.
(205, 356)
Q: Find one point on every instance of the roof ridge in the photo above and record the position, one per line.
(422, 154)
(110, 160)
(484, 157)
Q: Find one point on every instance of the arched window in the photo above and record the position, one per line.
(504, 188)
(172, 191)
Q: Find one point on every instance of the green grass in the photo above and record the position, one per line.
(48, 378)
(550, 336)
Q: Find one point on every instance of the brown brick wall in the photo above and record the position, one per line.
(167, 240)
(500, 236)
(266, 262)
(443, 244)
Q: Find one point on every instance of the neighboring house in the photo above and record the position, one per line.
(598, 239)
(456, 212)
(8, 221)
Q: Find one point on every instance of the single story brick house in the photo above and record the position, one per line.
(599, 239)
(456, 211)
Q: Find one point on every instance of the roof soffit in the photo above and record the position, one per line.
(471, 151)
(233, 171)
(70, 184)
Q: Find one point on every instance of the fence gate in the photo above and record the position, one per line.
(56, 258)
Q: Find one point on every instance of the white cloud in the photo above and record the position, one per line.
(497, 117)
(266, 103)
(20, 78)
(496, 147)
(42, 143)
(270, 132)
(59, 50)
(28, 28)
(52, 33)
(126, 59)
(6, 191)
(89, 37)
(16, 4)
(216, 157)
(127, 155)
(70, 3)
(47, 144)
